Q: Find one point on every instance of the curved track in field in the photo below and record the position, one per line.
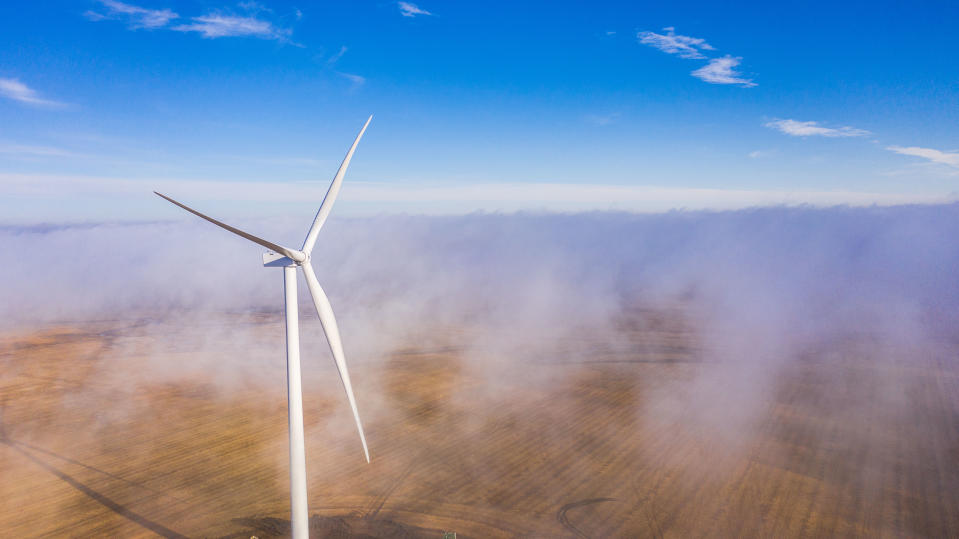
(563, 518)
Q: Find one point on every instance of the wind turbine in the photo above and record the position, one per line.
(289, 260)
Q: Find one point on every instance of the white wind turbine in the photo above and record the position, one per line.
(289, 260)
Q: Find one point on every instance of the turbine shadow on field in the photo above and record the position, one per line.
(86, 466)
(353, 525)
(121, 510)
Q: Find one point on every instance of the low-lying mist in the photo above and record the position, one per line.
(803, 270)
(759, 287)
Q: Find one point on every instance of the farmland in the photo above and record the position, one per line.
(848, 439)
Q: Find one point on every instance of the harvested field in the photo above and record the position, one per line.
(851, 439)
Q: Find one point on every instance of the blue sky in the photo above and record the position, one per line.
(248, 107)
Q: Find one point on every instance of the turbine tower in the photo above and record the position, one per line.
(289, 260)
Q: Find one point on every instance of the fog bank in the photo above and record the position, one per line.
(737, 298)
(816, 269)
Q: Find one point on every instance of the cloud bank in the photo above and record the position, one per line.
(77, 197)
(758, 292)
(808, 265)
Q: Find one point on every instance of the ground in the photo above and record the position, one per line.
(578, 445)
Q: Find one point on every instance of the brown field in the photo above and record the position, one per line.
(850, 439)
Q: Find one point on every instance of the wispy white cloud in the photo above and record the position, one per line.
(336, 57)
(216, 25)
(279, 160)
(18, 91)
(797, 128)
(602, 119)
(135, 16)
(25, 150)
(720, 71)
(672, 43)
(717, 71)
(254, 7)
(408, 9)
(357, 80)
(936, 156)
(118, 156)
(212, 25)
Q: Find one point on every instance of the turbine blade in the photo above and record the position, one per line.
(331, 194)
(291, 253)
(325, 312)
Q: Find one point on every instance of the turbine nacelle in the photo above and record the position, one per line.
(277, 260)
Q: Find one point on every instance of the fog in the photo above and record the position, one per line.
(813, 270)
(760, 288)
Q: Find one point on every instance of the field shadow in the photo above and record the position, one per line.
(321, 527)
(117, 508)
(88, 467)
